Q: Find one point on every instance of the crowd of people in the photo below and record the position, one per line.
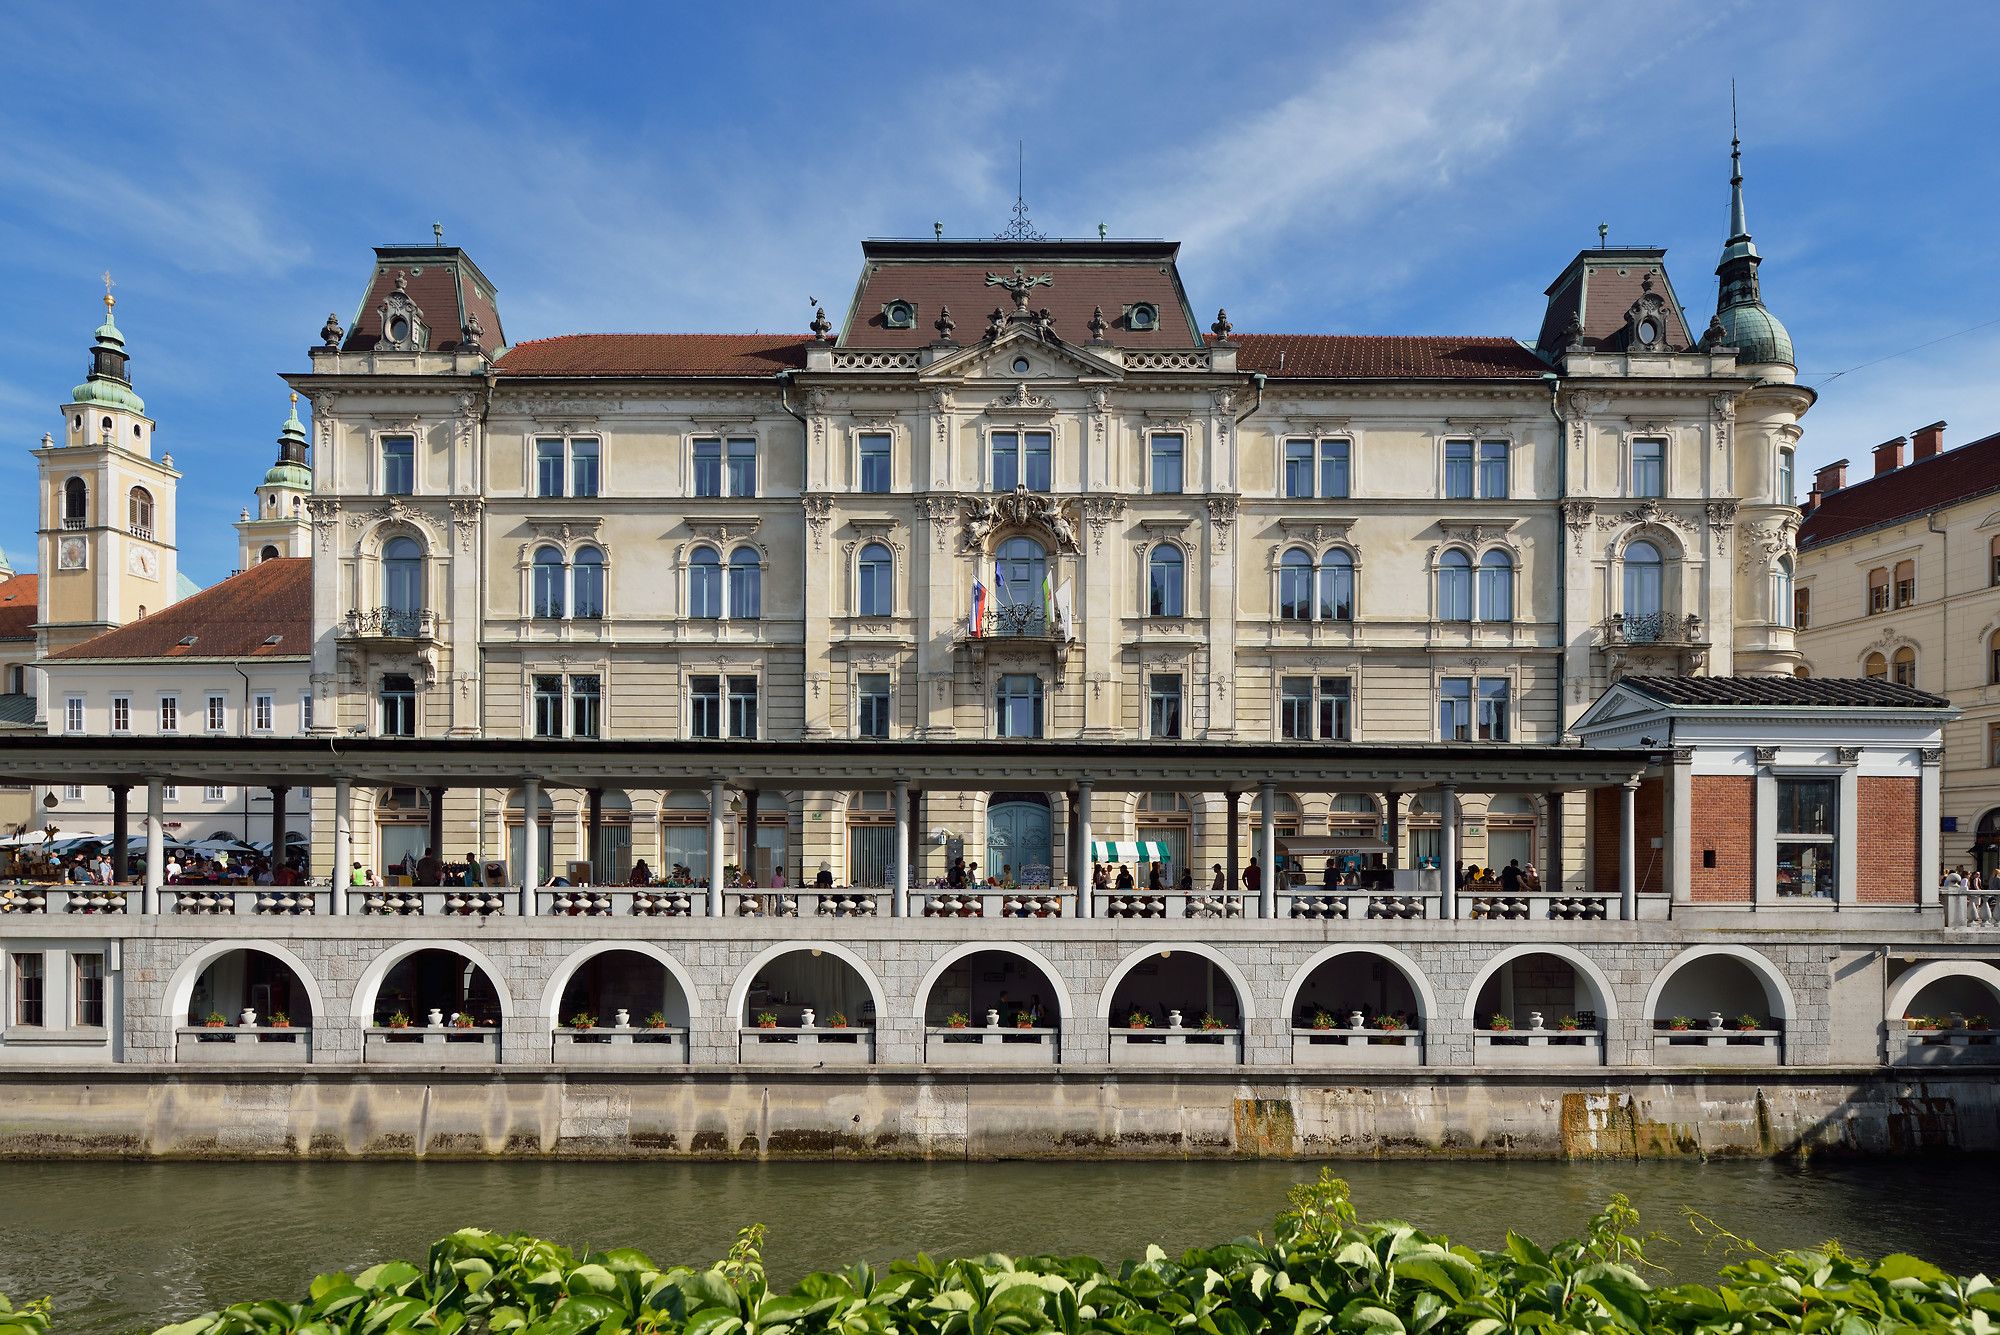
(184, 865)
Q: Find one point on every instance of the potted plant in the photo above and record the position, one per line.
(279, 1020)
(837, 1020)
(463, 1021)
(397, 1021)
(1209, 1021)
(655, 1021)
(216, 1020)
(1499, 1023)
(1681, 1024)
(1919, 1022)
(1976, 1022)
(766, 1020)
(1388, 1024)
(1321, 1020)
(1024, 1019)
(583, 1020)
(1138, 1020)
(1569, 1024)
(1746, 1023)
(956, 1020)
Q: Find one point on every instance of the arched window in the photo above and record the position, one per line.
(587, 584)
(402, 575)
(1336, 586)
(1454, 586)
(267, 554)
(1496, 586)
(1903, 666)
(746, 585)
(875, 582)
(705, 584)
(1019, 568)
(1645, 592)
(1166, 581)
(139, 512)
(1875, 667)
(1783, 606)
(76, 503)
(1295, 584)
(548, 592)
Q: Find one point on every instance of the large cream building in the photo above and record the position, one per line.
(1018, 490)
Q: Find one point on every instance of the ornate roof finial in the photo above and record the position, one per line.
(821, 326)
(1221, 327)
(470, 332)
(1102, 231)
(944, 324)
(994, 323)
(937, 231)
(331, 333)
(437, 233)
(1097, 325)
(1603, 231)
(109, 300)
(1020, 229)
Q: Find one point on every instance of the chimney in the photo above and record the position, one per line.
(1930, 442)
(1889, 456)
(1831, 478)
(1812, 502)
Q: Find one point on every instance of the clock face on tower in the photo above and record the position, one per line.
(144, 562)
(71, 554)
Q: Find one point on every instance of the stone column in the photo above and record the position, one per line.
(1628, 824)
(1928, 805)
(1393, 804)
(718, 796)
(434, 836)
(1677, 841)
(531, 843)
(1081, 805)
(1267, 853)
(121, 831)
(1448, 852)
(746, 837)
(1552, 855)
(900, 904)
(156, 860)
(1234, 825)
(343, 845)
(915, 843)
(279, 792)
(595, 833)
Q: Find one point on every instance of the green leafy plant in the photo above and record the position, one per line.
(1919, 1022)
(1138, 1020)
(279, 1020)
(463, 1020)
(1569, 1024)
(657, 1020)
(1208, 1021)
(1024, 1019)
(956, 1020)
(1747, 1022)
(1681, 1023)
(1499, 1023)
(766, 1020)
(397, 1021)
(1321, 1020)
(837, 1020)
(583, 1020)
(1388, 1024)
(216, 1020)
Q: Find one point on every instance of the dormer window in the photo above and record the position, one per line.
(900, 315)
(1142, 316)
(1646, 323)
(1649, 331)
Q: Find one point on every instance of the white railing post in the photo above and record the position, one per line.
(1084, 908)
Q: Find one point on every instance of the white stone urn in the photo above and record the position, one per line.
(436, 1019)
(992, 1019)
(806, 1018)
(248, 1019)
(1715, 1019)
(1173, 1019)
(623, 1019)
(1534, 1019)
(1355, 1020)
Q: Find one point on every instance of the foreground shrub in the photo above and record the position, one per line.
(1324, 1271)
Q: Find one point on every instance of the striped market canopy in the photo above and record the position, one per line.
(1129, 851)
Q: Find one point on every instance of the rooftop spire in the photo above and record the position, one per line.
(1739, 225)
(1020, 229)
(1741, 320)
(110, 380)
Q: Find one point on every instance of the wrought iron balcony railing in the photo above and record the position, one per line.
(1653, 628)
(387, 623)
(1018, 621)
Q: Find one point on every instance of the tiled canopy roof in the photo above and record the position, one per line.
(235, 619)
(656, 355)
(1386, 357)
(1912, 490)
(1852, 692)
(447, 287)
(17, 607)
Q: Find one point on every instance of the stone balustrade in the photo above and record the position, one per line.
(619, 1045)
(793, 1045)
(431, 1045)
(242, 1043)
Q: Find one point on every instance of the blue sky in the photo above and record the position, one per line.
(1382, 168)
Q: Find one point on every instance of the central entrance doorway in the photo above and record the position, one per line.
(1018, 838)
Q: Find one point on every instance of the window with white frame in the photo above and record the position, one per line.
(218, 713)
(875, 581)
(725, 467)
(1454, 585)
(263, 711)
(549, 466)
(583, 467)
(549, 581)
(398, 705)
(1017, 705)
(586, 584)
(705, 584)
(169, 792)
(403, 581)
(1310, 707)
(546, 704)
(1336, 586)
(1163, 705)
(30, 992)
(1457, 470)
(705, 706)
(87, 989)
(743, 708)
(170, 714)
(121, 713)
(1317, 467)
(1786, 490)
(746, 584)
(1475, 469)
(1808, 851)
(872, 462)
(72, 792)
(572, 588)
(871, 691)
(214, 792)
(1336, 709)
(1474, 709)
(1496, 586)
(73, 714)
(305, 711)
(1784, 605)
(1493, 480)
(1166, 581)
(1649, 467)
(1167, 455)
(399, 465)
(586, 705)
(742, 466)
(1022, 459)
(1295, 708)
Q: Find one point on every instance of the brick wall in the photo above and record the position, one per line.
(1888, 836)
(1723, 812)
(1649, 823)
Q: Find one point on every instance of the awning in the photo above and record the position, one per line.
(1114, 851)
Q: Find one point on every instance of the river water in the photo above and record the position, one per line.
(125, 1247)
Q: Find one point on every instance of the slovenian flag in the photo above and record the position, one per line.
(978, 605)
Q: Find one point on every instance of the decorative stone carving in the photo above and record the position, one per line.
(1847, 755)
(1221, 518)
(1577, 515)
(1767, 755)
(1683, 755)
(1018, 509)
(1022, 402)
(403, 328)
(325, 512)
(1721, 519)
(331, 333)
(465, 512)
(818, 506)
(1765, 543)
(1648, 512)
(1098, 512)
(1933, 756)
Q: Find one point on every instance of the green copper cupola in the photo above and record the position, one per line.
(110, 381)
(291, 470)
(1741, 319)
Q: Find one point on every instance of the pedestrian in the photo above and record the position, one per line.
(824, 881)
(1253, 877)
(357, 876)
(1220, 885)
(1186, 885)
(1510, 878)
(1124, 879)
(1154, 881)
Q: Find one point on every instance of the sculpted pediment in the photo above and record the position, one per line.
(1047, 356)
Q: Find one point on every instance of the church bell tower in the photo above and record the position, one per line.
(279, 526)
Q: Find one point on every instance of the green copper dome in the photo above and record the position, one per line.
(287, 474)
(1756, 334)
(109, 385)
(108, 394)
(291, 470)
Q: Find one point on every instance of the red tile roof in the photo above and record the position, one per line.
(655, 355)
(234, 619)
(1914, 489)
(1386, 357)
(17, 607)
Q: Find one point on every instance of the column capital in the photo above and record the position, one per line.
(1630, 785)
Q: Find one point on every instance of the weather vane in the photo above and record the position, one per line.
(1020, 229)
(109, 300)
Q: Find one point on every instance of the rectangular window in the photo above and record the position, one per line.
(548, 705)
(1333, 468)
(72, 792)
(708, 467)
(73, 714)
(87, 991)
(1808, 837)
(169, 792)
(1802, 609)
(583, 467)
(399, 465)
(1298, 469)
(743, 708)
(1993, 744)
(1878, 591)
(1006, 451)
(872, 706)
(1649, 464)
(1493, 712)
(1018, 706)
(1906, 583)
(1455, 709)
(1169, 454)
(1493, 469)
(170, 713)
(263, 709)
(705, 707)
(121, 713)
(1039, 449)
(218, 713)
(1457, 470)
(1163, 705)
(874, 462)
(1786, 491)
(399, 705)
(305, 711)
(28, 990)
(743, 467)
(586, 704)
(1336, 709)
(215, 792)
(1295, 707)
(548, 467)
